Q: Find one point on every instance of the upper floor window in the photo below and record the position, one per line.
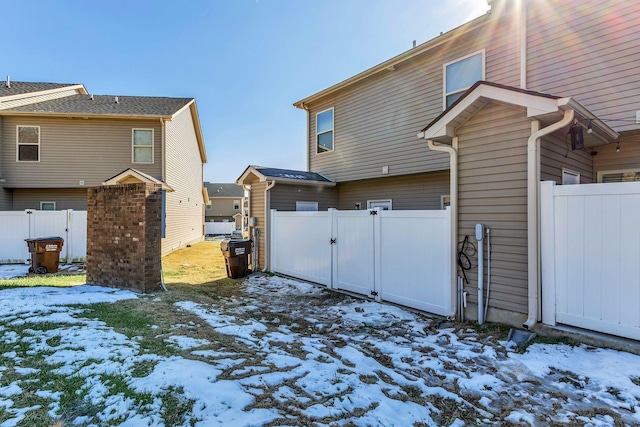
(324, 131)
(142, 146)
(28, 138)
(460, 75)
(236, 205)
(209, 205)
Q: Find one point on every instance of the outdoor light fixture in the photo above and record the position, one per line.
(577, 140)
(589, 130)
(618, 147)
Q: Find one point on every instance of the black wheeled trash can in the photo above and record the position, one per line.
(236, 257)
(45, 254)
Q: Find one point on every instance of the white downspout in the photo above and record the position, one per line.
(267, 220)
(453, 194)
(533, 203)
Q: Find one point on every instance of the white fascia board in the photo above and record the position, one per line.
(80, 88)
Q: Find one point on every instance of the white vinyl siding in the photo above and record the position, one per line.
(460, 75)
(142, 146)
(324, 131)
(28, 143)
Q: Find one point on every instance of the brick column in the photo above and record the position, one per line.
(124, 236)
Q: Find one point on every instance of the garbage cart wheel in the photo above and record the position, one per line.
(30, 269)
(41, 270)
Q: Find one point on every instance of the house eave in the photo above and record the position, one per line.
(80, 88)
(79, 115)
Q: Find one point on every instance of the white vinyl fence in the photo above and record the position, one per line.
(398, 256)
(590, 248)
(16, 226)
(215, 228)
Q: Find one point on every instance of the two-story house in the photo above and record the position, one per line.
(56, 140)
(225, 203)
(475, 118)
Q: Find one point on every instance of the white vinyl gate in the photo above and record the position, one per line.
(398, 256)
(590, 249)
(215, 228)
(20, 225)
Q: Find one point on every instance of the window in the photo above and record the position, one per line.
(324, 131)
(28, 138)
(385, 205)
(209, 205)
(142, 146)
(236, 205)
(306, 206)
(445, 202)
(460, 75)
(47, 206)
(628, 175)
(570, 177)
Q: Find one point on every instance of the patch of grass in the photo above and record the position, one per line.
(199, 264)
(118, 385)
(143, 369)
(539, 339)
(175, 408)
(57, 280)
(497, 331)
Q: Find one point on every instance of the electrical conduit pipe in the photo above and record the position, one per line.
(533, 203)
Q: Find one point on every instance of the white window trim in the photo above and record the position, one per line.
(18, 143)
(300, 204)
(377, 201)
(53, 203)
(444, 75)
(570, 172)
(133, 157)
(239, 205)
(333, 130)
(615, 171)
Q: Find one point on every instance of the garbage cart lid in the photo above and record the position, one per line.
(42, 239)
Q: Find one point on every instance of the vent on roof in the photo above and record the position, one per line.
(8, 81)
(91, 97)
(116, 99)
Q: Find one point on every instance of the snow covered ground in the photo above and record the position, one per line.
(290, 353)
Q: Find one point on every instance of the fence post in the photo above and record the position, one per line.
(547, 252)
(333, 221)
(271, 244)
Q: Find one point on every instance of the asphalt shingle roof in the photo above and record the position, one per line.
(223, 190)
(106, 104)
(291, 174)
(18, 88)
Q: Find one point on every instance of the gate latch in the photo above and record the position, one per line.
(332, 241)
(374, 293)
(373, 212)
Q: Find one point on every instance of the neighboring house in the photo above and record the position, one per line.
(492, 103)
(225, 203)
(57, 139)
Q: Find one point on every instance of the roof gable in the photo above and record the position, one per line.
(133, 176)
(283, 175)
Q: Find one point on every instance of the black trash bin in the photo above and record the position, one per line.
(45, 254)
(236, 257)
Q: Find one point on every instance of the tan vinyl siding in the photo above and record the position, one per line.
(493, 191)
(35, 99)
(608, 159)
(589, 50)
(67, 198)
(71, 150)
(409, 192)
(185, 205)
(222, 208)
(376, 121)
(257, 210)
(553, 150)
(283, 197)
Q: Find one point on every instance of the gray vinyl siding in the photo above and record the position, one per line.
(553, 150)
(74, 150)
(222, 208)
(409, 192)
(493, 191)
(68, 198)
(6, 200)
(283, 197)
(257, 210)
(376, 121)
(185, 205)
(608, 159)
(589, 51)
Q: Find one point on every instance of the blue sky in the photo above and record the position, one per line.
(245, 61)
